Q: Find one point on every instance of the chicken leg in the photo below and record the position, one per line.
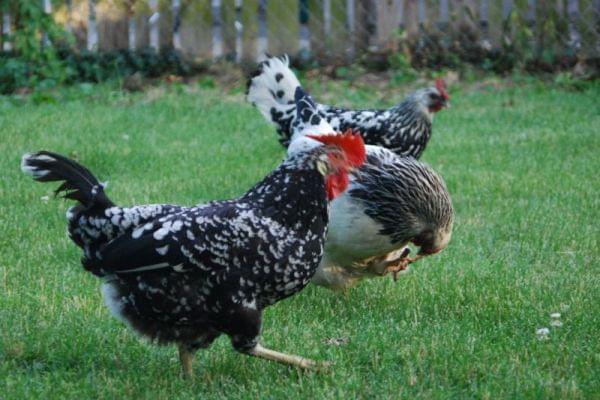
(187, 357)
(296, 361)
(400, 264)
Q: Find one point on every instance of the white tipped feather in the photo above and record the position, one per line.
(32, 171)
(274, 87)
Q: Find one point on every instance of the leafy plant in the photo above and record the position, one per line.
(32, 62)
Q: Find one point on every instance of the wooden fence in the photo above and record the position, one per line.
(247, 29)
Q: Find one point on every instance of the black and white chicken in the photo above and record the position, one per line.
(391, 200)
(186, 275)
(405, 129)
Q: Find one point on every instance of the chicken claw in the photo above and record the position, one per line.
(400, 264)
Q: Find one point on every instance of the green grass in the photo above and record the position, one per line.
(521, 163)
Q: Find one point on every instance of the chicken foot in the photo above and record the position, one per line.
(400, 264)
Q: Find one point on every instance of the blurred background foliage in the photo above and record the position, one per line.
(45, 54)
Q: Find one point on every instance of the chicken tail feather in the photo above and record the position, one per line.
(271, 89)
(78, 183)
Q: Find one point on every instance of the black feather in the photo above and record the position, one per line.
(78, 182)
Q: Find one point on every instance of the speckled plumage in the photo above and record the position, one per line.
(392, 200)
(188, 274)
(405, 129)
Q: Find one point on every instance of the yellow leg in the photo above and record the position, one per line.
(186, 356)
(296, 361)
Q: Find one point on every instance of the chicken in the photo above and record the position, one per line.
(404, 129)
(186, 275)
(391, 201)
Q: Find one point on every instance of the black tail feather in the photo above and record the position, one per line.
(306, 109)
(78, 183)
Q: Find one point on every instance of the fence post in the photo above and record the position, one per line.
(131, 25)
(444, 14)
(217, 34)
(176, 5)
(506, 9)
(573, 16)
(69, 4)
(153, 21)
(48, 12)
(239, 30)
(400, 8)
(506, 23)
(484, 24)
(262, 40)
(421, 13)
(92, 31)
(351, 26)
(6, 44)
(597, 20)
(368, 35)
(304, 39)
(531, 23)
(484, 13)
(531, 15)
(327, 18)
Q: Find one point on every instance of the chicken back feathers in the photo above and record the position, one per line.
(404, 129)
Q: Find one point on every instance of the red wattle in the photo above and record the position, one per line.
(336, 184)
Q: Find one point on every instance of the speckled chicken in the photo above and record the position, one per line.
(405, 128)
(186, 275)
(391, 201)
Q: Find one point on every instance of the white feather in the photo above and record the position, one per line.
(262, 87)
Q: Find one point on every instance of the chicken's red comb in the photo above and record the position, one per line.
(441, 87)
(352, 144)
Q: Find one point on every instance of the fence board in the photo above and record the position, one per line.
(573, 16)
(176, 5)
(507, 6)
(304, 37)
(6, 29)
(421, 13)
(154, 25)
(247, 29)
(262, 40)
(327, 17)
(239, 31)
(92, 31)
(400, 13)
(131, 24)
(217, 33)
(47, 7)
(444, 14)
(351, 26)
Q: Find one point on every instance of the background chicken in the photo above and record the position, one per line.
(404, 129)
(187, 275)
(391, 201)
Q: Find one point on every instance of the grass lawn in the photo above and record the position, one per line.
(521, 163)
